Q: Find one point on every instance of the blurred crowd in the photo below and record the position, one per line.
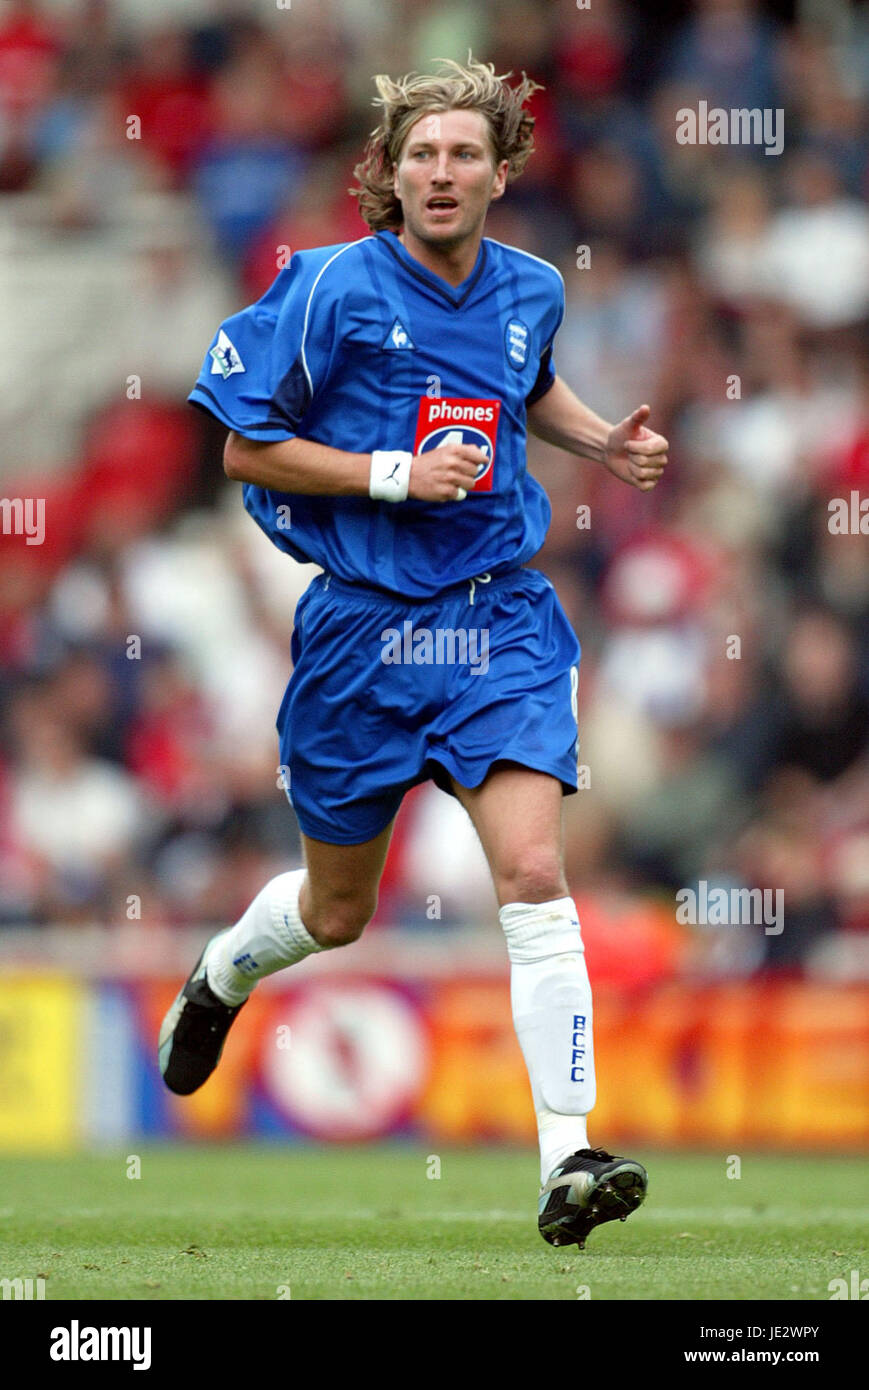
(724, 618)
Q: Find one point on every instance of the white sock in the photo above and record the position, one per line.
(552, 1013)
(269, 936)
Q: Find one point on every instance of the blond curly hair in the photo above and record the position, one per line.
(473, 86)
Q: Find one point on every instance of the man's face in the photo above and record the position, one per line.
(446, 177)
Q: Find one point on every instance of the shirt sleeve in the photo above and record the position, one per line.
(546, 375)
(257, 375)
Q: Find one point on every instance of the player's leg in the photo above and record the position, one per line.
(517, 814)
(339, 893)
(324, 905)
(346, 766)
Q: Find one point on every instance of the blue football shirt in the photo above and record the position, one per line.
(360, 347)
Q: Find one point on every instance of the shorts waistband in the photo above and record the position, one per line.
(469, 587)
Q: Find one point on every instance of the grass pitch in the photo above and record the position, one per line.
(273, 1221)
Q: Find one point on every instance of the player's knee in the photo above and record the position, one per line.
(533, 876)
(340, 921)
(339, 931)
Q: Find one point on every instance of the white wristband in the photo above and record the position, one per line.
(390, 475)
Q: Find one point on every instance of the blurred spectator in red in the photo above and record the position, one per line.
(168, 742)
(312, 94)
(590, 51)
(30, 46)
(138, 455)
(170, 98)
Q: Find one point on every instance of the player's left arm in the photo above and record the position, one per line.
(629, 450)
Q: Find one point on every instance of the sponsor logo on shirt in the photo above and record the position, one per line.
(225, 357)
(449, 420)
(517, 336)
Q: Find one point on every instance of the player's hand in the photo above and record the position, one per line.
(446, 474)
(635, 454)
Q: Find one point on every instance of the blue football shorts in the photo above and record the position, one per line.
(387, 692)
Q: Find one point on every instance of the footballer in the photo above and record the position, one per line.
(381, 390)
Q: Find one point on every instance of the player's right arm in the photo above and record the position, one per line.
(270, 361)
(304, 466)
